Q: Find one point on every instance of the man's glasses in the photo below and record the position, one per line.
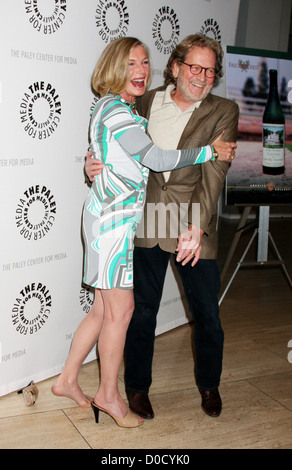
(196, 69)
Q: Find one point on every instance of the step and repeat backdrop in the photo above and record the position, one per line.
(48, 52)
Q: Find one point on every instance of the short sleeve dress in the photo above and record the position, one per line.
(114, 204)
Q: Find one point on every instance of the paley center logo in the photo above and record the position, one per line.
(32, 308)
(46, 17)
(86, 298)
(211, 28)
(112, 19)
(165, 29)
(40, 110)
(36, 212)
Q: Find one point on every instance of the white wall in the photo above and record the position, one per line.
(48, 52)
(264, 24)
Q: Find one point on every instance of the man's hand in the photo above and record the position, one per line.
(225, 150)
(93, 166)
(189, 245)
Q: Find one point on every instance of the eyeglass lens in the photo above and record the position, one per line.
(196, 69)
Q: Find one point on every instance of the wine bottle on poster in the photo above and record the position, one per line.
(273, 130)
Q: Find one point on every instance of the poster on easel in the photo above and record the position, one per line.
(248, 83)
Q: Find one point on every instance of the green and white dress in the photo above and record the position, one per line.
(114, 205)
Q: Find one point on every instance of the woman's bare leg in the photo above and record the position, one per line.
(119, 305)
(84, 339)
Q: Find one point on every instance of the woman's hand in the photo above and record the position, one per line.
(225, 150)
(93, 166)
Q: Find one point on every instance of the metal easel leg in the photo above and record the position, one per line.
(238, 232)
(281, 260)
(238, 265)
(264, 236)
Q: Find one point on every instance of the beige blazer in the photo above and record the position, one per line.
(196, 184)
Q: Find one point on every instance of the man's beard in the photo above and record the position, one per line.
(189, 96)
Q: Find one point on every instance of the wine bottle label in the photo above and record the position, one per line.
(273, 145)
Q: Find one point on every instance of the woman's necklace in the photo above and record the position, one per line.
(132, 106)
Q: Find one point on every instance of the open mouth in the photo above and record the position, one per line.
(199, 85)
(138, 83)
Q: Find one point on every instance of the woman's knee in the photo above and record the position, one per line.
(125, 309)
(120, 309)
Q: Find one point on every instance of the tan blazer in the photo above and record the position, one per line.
(199, 183)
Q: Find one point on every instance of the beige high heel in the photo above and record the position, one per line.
(30, 394)
(131, 420)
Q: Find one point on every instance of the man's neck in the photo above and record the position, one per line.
(180, 101)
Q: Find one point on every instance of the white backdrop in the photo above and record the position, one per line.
(48, 51)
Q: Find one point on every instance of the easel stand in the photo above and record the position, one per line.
(264, 236)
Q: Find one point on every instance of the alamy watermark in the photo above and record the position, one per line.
(162, 220)
(168, 220)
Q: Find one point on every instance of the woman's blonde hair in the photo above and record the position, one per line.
(111, 73)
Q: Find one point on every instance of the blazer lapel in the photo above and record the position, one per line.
(197, 119)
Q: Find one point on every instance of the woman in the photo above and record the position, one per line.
(112, 210)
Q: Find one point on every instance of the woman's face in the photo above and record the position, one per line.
(139, 69)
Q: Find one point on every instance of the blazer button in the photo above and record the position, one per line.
(164, 188)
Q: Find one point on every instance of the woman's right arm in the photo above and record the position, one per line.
(137, 144)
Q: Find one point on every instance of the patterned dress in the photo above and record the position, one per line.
(114, 205)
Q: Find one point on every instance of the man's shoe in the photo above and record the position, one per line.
(211, 402)
(140, 404)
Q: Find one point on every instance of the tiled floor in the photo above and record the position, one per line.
(256, 383)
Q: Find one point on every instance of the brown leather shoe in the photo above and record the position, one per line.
(140, 404)
(211, 402)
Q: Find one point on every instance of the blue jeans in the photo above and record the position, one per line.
(201, 284)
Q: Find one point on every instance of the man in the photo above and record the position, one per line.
(183, 114)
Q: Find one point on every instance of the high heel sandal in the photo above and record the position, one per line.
(30, 394)
(131, 420)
